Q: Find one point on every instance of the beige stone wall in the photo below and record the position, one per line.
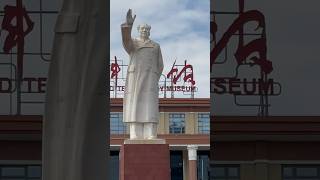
(166, 123)
(275, 172)
(162, 124)
(196, 123)
(190, 123)
(247, 172)
(260, 171)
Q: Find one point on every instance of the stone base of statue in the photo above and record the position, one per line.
(144, 141)
(145, 160)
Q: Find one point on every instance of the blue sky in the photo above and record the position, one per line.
(181, 27)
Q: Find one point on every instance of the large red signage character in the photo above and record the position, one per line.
(16, 32)
(188, 76)
(243, 51)
(115, 68)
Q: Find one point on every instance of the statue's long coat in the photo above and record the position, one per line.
(75, 136)
(141, 99)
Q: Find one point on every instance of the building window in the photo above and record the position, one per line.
(176, 165)
(203, 165)
(301, 172)
(204, 123)
(116, 124)
(114, 165)
(30, 172)
(177, 123)
(225, 172)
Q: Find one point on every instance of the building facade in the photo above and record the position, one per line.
(184, 124)
(268, 148)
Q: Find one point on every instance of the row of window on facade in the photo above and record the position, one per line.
(177, 123)
(219, 172)
(33, 172)
(289, 172)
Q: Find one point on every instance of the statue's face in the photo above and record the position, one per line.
(144, 32)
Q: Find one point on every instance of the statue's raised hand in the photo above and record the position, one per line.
(130, 19)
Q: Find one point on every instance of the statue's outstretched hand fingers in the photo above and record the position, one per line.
(134, 18)
(128, 13)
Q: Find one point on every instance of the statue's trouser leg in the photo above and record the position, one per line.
(136, 131)
(150, 130)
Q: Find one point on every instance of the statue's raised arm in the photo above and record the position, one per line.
(126, 32)
(130, 19)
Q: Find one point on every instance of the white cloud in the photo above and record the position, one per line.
(181, 30)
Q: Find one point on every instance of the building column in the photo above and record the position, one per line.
(192, 157)
(190, 123)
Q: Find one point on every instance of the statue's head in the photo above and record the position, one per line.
(144, 30)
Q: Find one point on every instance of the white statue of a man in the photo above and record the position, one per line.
(141, 99)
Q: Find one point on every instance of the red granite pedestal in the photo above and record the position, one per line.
(145, 162)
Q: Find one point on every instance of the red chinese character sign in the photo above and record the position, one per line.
(16, 15)
(249, 53)
(179, 80)
(175, 75)
(25, 39)
(115, 69)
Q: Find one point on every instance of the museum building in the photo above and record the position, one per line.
(184, 124)
(265, 148)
